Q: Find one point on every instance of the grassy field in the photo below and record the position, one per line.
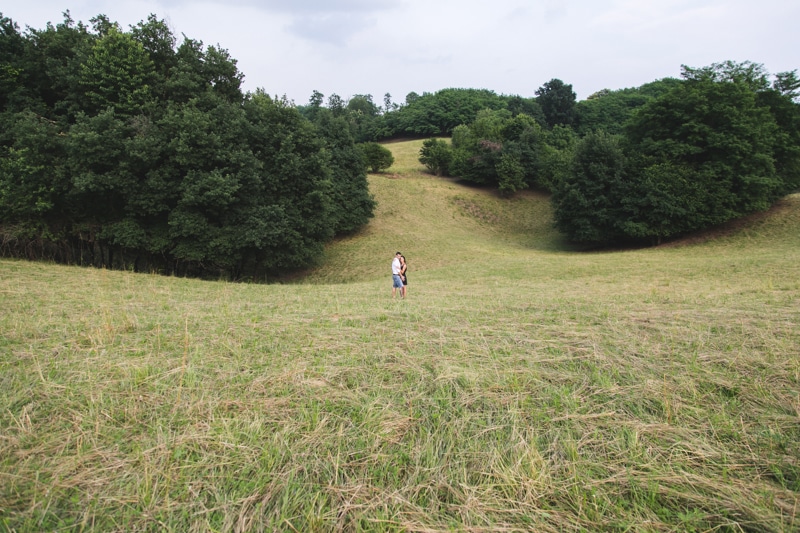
(522, 385)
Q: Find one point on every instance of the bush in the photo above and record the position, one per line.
(436, 155)
(376, 157)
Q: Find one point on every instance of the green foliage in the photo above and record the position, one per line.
(610, 110)
(518, 105)
(363, 104)
(436, 155)
(159, 42)
(510, 152)
(436, 114)
(557, 100)
(426, 115)
(510, 174)
(349, 193)
(129, 152)
(118, 73)
(50, 69)
(34, 182)
(717, 145)
(786, 141)
(664, 201)
(787, 84)
(585, 205)
(713, 124)
(376, 157)
(12, 50)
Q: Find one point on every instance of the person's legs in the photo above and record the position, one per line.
(397, 283)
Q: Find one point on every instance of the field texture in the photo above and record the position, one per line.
(522, 385)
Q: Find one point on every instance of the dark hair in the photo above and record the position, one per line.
(397, 253)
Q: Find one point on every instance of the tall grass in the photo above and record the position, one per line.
(520, 387)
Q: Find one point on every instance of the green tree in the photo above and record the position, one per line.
(34, 180)
(364, 117)
(787, 84)
(712, 124)
(555, 157)
(610, 110)
(501, 150)
(518, 105)
(439, 113)
(557, 100)
(663, 201)
(510, 174)
(336, 104)
(363, 104)
(118, 73)
(587, 204)
(222, 74)
(293, 217)
(117, 149)
(436, 155)
(159, 42)
(719, 144)
(376, 157)
(51, 68)
(352, 203)
(12, 52)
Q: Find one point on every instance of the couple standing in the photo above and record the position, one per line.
(399, 278)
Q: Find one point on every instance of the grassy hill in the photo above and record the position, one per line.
(437, 223)
(521, 386)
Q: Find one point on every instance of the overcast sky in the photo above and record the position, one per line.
(347, 47)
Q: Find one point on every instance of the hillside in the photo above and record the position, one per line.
(521, 386)
(442, 223)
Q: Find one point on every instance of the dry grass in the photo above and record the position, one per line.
(520, 387)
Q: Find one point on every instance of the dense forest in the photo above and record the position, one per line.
(127, 149)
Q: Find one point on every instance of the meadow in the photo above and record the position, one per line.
(523, 385)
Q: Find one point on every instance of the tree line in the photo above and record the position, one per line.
(127, 149)
(641, 165)
(636, 165)
(426, 115)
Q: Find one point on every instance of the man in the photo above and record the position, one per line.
(397, 281)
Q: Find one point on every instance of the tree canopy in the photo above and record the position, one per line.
(717, 145)
(120, 149)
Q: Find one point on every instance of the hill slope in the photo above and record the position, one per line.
(443, 224)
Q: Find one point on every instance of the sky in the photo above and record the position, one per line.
(512, 47)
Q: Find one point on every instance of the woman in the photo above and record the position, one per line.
(403, 276)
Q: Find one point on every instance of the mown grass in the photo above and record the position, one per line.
(521, 386)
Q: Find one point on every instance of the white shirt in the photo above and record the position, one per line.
(396, 266)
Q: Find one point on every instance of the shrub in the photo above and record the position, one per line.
(436, 155)
(376, 157)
